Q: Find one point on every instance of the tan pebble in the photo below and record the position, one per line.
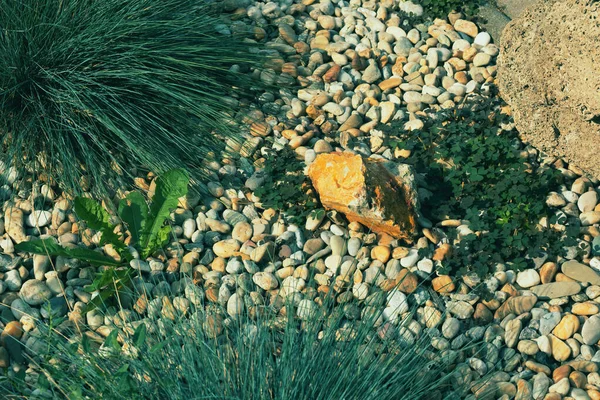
(561, 372)
(568, 325)
(407, 281)
(399, 252)
(482, 314)
(431, 236)
(538, 367)
(212, 294)
(587, 308)
(594, 394)
(548, 271)
(218, 264)
(381, 253)
(560, 350)
(560, 277)
(443, 284)
(577, 379)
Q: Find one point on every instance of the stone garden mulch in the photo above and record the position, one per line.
(358, 64)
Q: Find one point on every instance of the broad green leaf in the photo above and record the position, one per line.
(91, 256)
(41, 246)
(158, 347)
(97, 218)
(169, 188)
(139, 336)
(85, 344)
(51, 248)
(111, 340)
(133, 210)
(122, 369)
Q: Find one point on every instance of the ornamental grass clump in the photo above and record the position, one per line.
(205, 353)
(91, 89)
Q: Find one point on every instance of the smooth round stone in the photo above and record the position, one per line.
(482, 39)
(587, 201)
(360, 291)
(38, 218)
(242, 231)
(354, 245)
(306, 309)
(397, 300)
(338, 245)
(235, 305)
(591, 330)
(450, 328)
(333, 262)
(311, 246)
(425, 265)
(411, 259)
(12, 280)
(458, 89)
(234, 266)
(528, 278)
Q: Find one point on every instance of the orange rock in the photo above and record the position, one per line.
(332, 74)
(14, 329)
(443, 284)
(407, 281)
(568, 325)
(390, 83)
(594, 394)
(379, 195)
(561, 372)
(442, 252)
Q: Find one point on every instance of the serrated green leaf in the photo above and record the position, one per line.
(133, 210)
(97, 218)
(91, 256)
(51, 248)
(169, 188)
(41, 246)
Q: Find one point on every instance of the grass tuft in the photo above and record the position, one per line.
(95, 88)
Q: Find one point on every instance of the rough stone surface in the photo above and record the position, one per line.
(544, 74)
(379, 195)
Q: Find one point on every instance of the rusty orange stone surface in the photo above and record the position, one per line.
(380, 195)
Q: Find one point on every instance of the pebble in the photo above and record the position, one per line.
(35, 292)
(38, 218)
(528, 278)
(590, 331)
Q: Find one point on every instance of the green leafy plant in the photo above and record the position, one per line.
(145, 224)
(285, 187)
(441, 8)
(475, 173)
(96, 88)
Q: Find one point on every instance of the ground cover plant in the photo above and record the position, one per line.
(475, 172)
(436, 8)
(285, 187)
(96, 88)
(146, 227)
(322, 355)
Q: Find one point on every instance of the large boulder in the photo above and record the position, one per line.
(548, 73)
(381, 195)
